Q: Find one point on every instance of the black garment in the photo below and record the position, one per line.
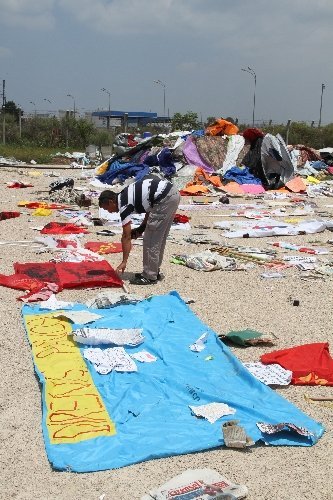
(252, 160)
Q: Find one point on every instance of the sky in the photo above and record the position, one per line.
(196, 48)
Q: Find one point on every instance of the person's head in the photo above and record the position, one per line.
(108, 200)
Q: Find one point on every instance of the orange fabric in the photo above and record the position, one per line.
(201, 175)
(197, 187)
(193, 189)
(222, 127)
(296, 185)
(232, 188)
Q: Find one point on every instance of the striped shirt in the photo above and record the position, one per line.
(140, 197)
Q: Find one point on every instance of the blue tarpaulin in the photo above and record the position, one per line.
(150, 407)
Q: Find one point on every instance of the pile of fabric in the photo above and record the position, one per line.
(218, 158)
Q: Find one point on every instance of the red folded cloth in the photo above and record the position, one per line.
(62, 228)
(9, 215)
(311, 364)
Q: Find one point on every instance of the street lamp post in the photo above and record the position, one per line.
(252, 72)
(164, 87)
(20, 120)
(70, 95)
(321, 103)
(108, 117)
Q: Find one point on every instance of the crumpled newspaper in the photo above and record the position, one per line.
(198, 484)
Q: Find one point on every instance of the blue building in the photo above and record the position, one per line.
(123, 119)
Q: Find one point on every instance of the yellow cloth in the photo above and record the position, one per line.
(74, 408)
(42, 212)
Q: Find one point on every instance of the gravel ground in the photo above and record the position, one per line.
(226, 301)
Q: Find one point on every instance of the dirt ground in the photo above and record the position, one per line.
(225, 301)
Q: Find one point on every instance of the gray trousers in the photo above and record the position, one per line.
(156, 232)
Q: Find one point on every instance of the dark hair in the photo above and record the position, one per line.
(107, 196)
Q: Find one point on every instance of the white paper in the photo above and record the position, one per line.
(272, 374)
(212, 411)
(199, 345)
(144, 357)
(53, 304)
(97, 336)
(113, 358)
(80, 317)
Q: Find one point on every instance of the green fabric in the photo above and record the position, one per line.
(241, 337)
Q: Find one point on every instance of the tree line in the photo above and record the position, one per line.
(70, 132)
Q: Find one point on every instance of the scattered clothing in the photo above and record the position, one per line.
(9, 215)
(222, 127)
(311, 364)
(62, 228)
(247, 338)
(103, 248)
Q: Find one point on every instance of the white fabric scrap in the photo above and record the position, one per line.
(272, 374)
(235, 145)
(113, 358)
(212, 411)
(80, 317)
(52, 303)
(96, 336)
(199, 344)
(271, 275)
(144, 357)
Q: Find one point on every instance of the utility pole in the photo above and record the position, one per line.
(253, 73)
(321, 104)
(4, 111)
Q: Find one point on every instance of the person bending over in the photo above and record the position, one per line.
(159, 200)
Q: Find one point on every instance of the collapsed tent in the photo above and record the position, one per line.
(93, 421)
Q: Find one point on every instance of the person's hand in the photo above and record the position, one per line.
(121, 268)
(134, 234)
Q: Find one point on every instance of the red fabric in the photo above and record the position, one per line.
(62, 228)
(181, 219)
(66, 244)
(18, 185)
(9, 215)
(311, 364)
(131, 142)
(251, 134)
(330, 170)
(103, 248)
(42, 271)
(87, 274)
(42, 204)
(71, 274)
(21, 281)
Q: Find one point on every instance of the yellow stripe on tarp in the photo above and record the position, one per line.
(75, 409)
